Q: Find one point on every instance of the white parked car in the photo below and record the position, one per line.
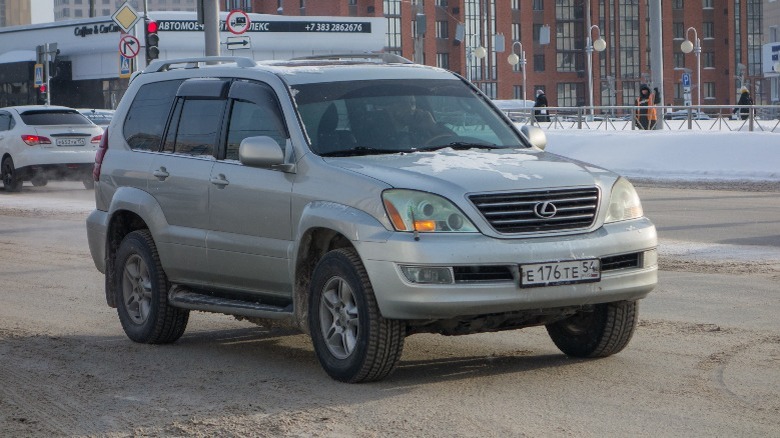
(100, 117)
(41, 143)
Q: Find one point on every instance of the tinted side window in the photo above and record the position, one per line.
(255, 111)
(198, 128)
(148, 113)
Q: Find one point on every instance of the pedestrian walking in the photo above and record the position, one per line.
(745, 101)
(645, 115)
(540, 107)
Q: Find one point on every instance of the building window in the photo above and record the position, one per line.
(707, 4)
(516, 5)
(515, 32)
(678, 30)
(538, 62)
(78, 13)
(538, 5)
(679, 59)
(443, 60)
(392, 10)
(537, 31)
(677, 4)
(570, 94)
(442, 3)
(708, 59)
(709, 90)
(708, 29)
(517, 92)
(442, 29)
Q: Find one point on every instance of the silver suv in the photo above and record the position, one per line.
(361, 201)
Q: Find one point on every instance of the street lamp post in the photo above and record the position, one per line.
(513, 59)
(599, 45)
(687, 46)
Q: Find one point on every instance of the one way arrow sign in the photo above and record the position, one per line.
(238, 43)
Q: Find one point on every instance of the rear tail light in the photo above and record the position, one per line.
(99, 155)
(96, 139)
(34, 140)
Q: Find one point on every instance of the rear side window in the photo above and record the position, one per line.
(148, 114)
(54, 117)
(6, 121)
(195, 127)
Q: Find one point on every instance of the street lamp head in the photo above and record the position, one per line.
(686, 46)
(513, 59)
(480, 52)
(599, 45)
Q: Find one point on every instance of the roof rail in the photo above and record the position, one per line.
(387, 58)
(163, 65)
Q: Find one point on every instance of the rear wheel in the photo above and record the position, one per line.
(141, 293)
(599, 333)
(352, 340)
(88, 182)
(11, 180)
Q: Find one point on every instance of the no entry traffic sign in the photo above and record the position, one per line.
(129, 46)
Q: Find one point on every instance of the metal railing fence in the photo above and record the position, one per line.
(760, 118)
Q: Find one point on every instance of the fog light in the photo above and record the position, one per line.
(650, 258)
(428, 274)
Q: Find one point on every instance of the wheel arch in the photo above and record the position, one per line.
(324, 227)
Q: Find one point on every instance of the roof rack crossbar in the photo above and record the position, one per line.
(388, 58)
(162, 65)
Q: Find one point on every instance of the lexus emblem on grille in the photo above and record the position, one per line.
(545, 210)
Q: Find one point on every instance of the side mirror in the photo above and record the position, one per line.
(535, 135)
(260, 151)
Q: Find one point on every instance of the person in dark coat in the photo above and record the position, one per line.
(540, 107)
(744, 102)
(645, 115)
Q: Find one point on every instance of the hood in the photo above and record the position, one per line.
(449, 172)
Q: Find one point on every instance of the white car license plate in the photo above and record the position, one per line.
(71, 141)
(556, 273)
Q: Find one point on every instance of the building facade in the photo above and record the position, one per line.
(14, 12)
(553, 33)
(75, 9)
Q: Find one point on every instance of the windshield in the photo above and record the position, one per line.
(54, 117)
(390, 116)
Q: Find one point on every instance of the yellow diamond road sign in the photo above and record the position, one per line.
(126, 17)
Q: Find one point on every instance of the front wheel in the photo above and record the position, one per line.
(11, 180)
(141, 293)
(599, 333)
(352, 340)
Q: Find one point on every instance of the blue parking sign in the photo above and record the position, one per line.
(686, 79)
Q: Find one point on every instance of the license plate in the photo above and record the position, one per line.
(557, 273)
(71, 141)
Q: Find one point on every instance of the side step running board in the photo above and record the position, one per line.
(186, 299)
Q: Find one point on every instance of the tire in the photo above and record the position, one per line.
(39, 181)
(141, 289)
(352, 340)
(600, 333)
(88, 182)
(11, 180)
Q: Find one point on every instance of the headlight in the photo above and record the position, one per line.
(410, 210)
(624, 203)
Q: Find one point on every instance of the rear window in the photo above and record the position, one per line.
(148, 114)
(54, 117)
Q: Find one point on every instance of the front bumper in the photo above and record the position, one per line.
(399, 298)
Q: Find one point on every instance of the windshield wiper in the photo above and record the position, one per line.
(458, 145)
(361, 150)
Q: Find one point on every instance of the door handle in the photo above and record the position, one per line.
(161, 173)
(220, 181)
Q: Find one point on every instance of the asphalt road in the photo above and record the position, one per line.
(705, 360)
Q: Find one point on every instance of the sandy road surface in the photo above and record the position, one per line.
(705, 361)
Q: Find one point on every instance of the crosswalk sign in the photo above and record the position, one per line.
(125, 67)
(38, 75)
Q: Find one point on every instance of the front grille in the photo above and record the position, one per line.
(472, 274)
(620, 262)
(517, 212)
